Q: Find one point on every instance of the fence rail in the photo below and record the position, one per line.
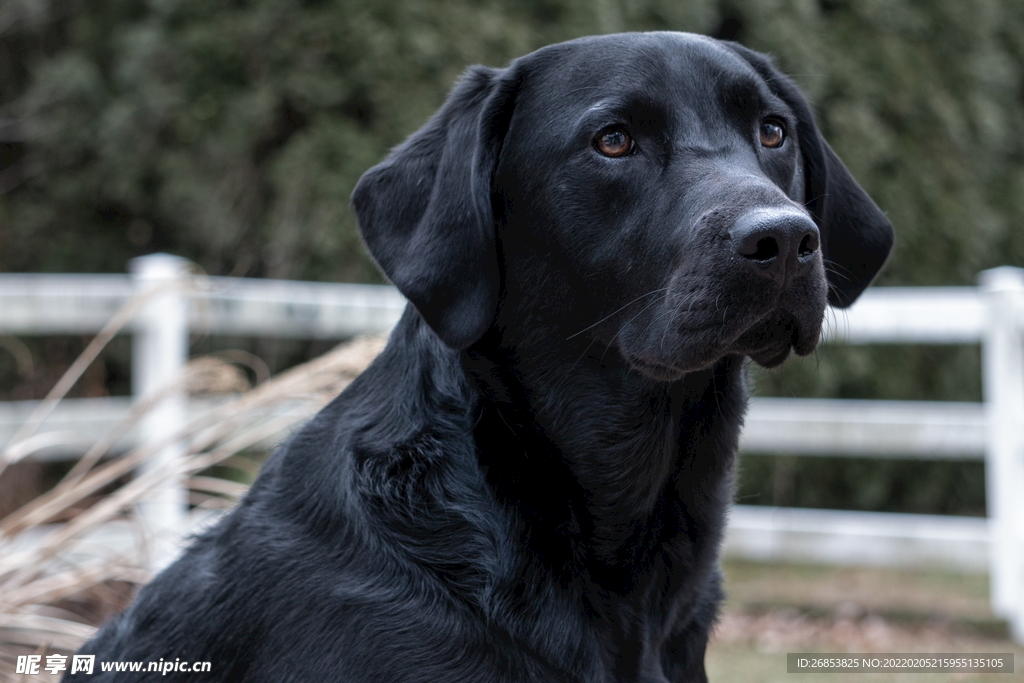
(991, 315)
(82, 304)
(913, 315)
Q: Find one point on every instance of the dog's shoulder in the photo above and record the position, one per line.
(390, 463)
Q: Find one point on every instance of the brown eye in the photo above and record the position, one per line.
(613, 142)
(773, 133)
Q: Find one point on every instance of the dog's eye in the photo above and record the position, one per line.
(773, 133)
(613, 142)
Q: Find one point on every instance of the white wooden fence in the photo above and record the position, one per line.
(991, 315)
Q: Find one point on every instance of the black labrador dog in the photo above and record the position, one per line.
(531, 482)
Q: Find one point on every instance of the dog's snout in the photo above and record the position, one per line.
(780, 242)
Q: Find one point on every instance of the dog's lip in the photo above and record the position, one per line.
(770, 358)
(655, 370)
(767, 339)
(803, 338)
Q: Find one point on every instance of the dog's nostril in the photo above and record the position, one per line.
(808, 245)
(764, 249)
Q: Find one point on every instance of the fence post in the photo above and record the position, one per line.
(1003, 376)
(159, 353)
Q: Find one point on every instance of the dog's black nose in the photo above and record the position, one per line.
(777, 241)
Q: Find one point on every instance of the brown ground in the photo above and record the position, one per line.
(775, 609)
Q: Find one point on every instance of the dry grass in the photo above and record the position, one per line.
(60, 579)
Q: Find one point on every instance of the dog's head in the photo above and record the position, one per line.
(666, 194)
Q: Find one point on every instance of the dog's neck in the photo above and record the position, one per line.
(589, 450)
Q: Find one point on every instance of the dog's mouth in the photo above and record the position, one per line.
(768, 342)
(770, 358)
(656, 371)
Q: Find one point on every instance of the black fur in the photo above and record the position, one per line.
(531, 482)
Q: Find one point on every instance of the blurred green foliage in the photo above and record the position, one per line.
(232, 131)
(873, 484)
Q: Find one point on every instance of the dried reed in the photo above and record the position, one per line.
(48, 571)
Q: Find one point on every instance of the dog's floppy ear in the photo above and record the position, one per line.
(856, 235)
(425, 211)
